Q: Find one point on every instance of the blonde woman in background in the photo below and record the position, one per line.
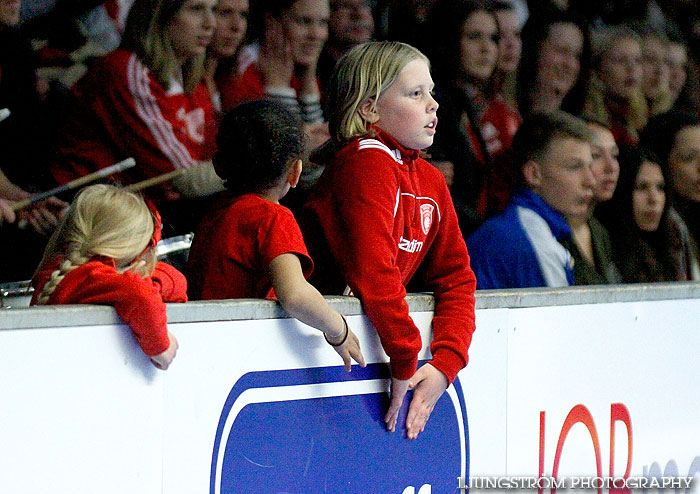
(147, 100)
(615, 91)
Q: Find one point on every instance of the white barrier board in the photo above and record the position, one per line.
(263, 406)
(636, 363)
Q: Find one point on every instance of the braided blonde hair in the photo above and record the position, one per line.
(103, 220)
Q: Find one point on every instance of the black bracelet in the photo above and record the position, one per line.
(347, 331)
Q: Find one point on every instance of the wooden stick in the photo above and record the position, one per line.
(149, 182)
(74, 184)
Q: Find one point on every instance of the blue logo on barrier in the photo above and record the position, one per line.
(321, 430)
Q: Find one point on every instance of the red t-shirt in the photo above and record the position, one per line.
(234, 245)
(138, 301)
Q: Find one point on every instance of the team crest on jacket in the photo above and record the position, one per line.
(194, 121)
(426, 217)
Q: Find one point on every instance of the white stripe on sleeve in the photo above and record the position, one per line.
(551, 255)
(148, 110)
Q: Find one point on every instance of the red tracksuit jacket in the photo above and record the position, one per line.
(121, 110)
(381, 217)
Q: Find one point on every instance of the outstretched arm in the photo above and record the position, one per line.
(445, 272)
(304, 302)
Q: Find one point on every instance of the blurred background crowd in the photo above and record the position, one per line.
(89, 83)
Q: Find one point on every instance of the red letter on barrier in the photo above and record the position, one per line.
(578, 414)
(539, 491)
(619, 413)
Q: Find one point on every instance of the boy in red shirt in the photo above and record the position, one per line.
(249, 246)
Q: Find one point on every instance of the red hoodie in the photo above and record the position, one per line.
(379, 215)
(138, 301)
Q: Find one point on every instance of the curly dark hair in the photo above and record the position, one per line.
(256, 145)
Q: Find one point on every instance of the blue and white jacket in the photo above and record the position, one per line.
(521, 247)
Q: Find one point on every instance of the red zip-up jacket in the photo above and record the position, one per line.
(378, 218)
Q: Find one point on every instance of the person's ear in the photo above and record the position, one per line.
(532, 173)
(368, 111)
(294, 174)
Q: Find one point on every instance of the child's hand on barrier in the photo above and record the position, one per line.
(428, 384)
(398, 391)
(163, 360)
(348, 349)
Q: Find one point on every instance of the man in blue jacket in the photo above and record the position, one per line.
(525, 245)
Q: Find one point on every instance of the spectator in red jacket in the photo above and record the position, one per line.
(381, 217)
(147, 100)
(465, 56)
(104, 253)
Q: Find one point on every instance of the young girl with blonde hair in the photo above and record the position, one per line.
(381, 217)
(104, 253)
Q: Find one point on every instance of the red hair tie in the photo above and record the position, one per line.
(157, 223)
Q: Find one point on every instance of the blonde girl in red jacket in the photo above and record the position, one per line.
(104, 253)
(381, 216)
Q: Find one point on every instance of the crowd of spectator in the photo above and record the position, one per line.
(568, 130)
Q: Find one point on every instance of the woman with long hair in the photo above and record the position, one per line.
(675, 137)
(146, 100)
(477, 126)
(650, 242)
(615, 94)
